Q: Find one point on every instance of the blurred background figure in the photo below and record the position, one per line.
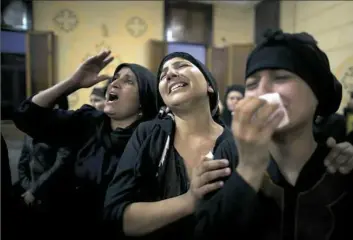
(232, 95)
(97, 97)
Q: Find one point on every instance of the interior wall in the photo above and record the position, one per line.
(331, 23)
(233, 24)
(83, 28)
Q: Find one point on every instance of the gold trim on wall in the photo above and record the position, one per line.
(28, 67)
(50, 61)
(209, 58)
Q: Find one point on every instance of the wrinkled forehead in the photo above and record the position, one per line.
(175, 61)
(125, 71)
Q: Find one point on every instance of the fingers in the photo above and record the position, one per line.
(103, 55)
(339, 157)
(103, 77)
(103, 58)
(210, 187)
(210, 176)
(267, 115)
(210, 165)
(347, 168)
(255, 112)
(273, 123)
(107, 60)
(331, 142)
(244, 113)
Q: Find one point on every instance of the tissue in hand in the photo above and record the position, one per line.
(275, 98)
(210, 155)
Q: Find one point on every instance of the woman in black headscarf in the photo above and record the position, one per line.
(281, 189)
(157, 184)
(96, 138)
(234, 94)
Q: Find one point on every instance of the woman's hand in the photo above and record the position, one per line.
(87, 74)
(206, 178)
(254, 122)
(340, 157)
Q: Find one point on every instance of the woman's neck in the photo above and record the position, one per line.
(292, 150)
(197, 121)
(123, 123)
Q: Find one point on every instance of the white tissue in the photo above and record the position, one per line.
(210, 155)
(275, 98)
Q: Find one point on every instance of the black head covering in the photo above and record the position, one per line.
(299, 54)
(207, 74)
(226, 114)
(99, 91)
(146, 81)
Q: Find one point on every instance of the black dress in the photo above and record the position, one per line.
(96, 148)
(318, 207)
(152, 170)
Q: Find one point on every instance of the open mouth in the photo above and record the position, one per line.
(112, 97)
(177, 86)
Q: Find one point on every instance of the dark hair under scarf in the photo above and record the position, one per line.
(207, 74)
(299, 54)
(146, 81)
(226, 114)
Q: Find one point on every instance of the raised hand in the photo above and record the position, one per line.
(87, 74)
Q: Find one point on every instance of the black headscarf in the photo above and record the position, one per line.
(146, 81)
(226, 114)
(299, 54)
(207, 74)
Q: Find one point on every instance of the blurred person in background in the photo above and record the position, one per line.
(234, 94)
(97, 97)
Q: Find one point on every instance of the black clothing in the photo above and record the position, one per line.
(7, 205)
(299, 54)
(96, 147)
(151, 170)
(6, 182)
(331, 126)
(317, 206)
(39, 167)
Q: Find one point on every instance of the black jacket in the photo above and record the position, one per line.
(149, 170)
(39, 166)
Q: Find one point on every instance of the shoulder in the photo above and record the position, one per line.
(89, 111)
(87, 117)
(149, 127)
(226, 147)
(226, 139)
